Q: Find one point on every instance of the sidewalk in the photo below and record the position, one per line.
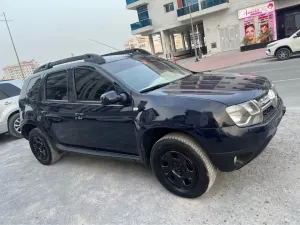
(223, 60)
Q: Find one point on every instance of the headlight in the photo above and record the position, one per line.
(245, 114)
(271, 45)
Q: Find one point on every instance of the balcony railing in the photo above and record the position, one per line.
(141, 24)
(186, 10)
(195, 7)
(128, 2)
(212, 3)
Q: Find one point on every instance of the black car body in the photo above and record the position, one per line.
(105, 106)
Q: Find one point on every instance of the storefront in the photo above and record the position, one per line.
(258, 26)
(288, 21)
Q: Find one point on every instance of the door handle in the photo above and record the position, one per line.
(78, 116)
(7, 103)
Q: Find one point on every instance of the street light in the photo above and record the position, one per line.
(12, 41)
(192, 24)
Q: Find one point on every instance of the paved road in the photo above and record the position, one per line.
(85, 190)
(285, 75)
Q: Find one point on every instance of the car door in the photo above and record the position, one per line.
(296, 42)
(8, 103)
(101, 127)
(55, 109)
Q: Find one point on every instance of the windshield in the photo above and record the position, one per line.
(146, 72)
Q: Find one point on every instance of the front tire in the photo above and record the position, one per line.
(42, 149)
(14, 126)
(283, 54)
(182, 166)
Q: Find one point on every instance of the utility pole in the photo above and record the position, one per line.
(12, 41)
(193, 31)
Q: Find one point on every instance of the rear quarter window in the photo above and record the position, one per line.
(33, 88)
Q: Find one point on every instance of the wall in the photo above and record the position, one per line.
(285, 3)
(160, 19)
(228, 18)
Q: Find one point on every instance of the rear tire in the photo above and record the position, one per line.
(42, 149)
(14, 128)
(182, 166)
(283, 54)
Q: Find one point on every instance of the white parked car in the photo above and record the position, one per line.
(9, 107)
(283, 49)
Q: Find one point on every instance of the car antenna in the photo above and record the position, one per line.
(108, 46)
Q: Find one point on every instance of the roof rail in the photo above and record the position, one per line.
(87, 58)
(136, 51)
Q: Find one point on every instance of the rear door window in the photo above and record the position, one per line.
(10, 90)
(57, 86)
(3, 95)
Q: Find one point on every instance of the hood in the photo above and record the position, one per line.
(227, 88)
(279, 41)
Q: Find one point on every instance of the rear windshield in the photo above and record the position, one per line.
(143, 72)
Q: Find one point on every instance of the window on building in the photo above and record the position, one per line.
(56, 86)
(142, 12)
(90, 84)
(169, 7)
(190, 2)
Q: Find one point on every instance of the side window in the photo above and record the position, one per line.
(3, 95)
(57, 86)
(90, 84)
(33, 88)
(10, 90)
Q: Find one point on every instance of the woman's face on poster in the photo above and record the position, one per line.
(250, 33)
(264, 28)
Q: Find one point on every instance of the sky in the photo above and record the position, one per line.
(47, 30)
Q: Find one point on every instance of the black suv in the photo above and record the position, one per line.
(135, 106)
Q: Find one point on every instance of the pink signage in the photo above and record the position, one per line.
(256, 10)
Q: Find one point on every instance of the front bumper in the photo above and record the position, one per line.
(246, 143)
(270, 51)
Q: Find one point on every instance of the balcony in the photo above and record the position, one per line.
(141, 27)
(133, 4)
(206, 7)
(186, 10)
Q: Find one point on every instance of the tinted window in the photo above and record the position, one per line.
(10, 90)
(33, 88)
(56, 86)
(142, 72)
(3, 95)
(90, 84)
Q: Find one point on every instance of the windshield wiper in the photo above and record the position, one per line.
(154, 87)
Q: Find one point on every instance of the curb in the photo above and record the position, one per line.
(242, 63)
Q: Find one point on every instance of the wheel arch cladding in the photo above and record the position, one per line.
(283, 47)
(26, 129)
(151, 136)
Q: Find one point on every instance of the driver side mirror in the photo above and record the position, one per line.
(112, 97)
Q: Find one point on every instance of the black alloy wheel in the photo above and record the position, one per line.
(42, 148)
(182, 166)
(39, 149)
(179, 169)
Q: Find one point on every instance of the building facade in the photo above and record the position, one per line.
(14, 72)
(219, 25)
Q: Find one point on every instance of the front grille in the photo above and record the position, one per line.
(267, 105)
(268, 113)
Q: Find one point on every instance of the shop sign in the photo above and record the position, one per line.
(256, 10)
